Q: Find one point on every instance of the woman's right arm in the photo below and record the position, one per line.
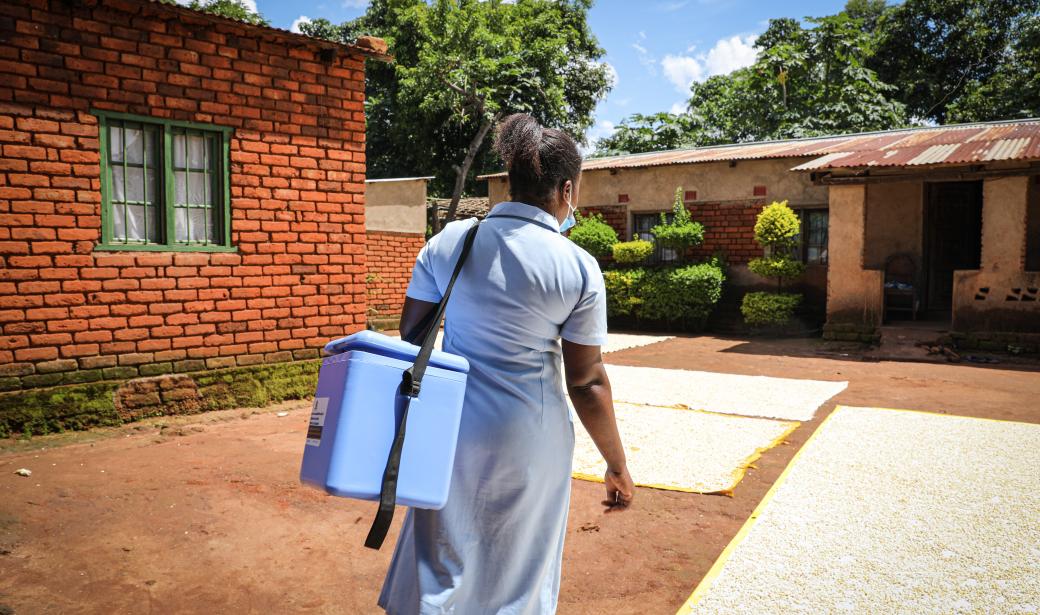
(589, 389)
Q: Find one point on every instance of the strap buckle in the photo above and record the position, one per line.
(409, 385)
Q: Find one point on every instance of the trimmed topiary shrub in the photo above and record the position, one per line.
(593, 234)
(764, 309)
(682, 232)
(776, 230)
(632, 252)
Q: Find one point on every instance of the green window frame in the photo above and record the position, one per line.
(187, 205)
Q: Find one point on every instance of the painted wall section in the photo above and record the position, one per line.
(854, 295)
(397, 205)
(895, 213)
(1002, 296)
(70, 313)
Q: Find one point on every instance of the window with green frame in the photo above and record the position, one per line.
(164, 185)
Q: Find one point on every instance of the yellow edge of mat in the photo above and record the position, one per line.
(735, 476)
(716, 569)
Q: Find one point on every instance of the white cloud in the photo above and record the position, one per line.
(669, 7)
(682, 71)
(646, 58)
(299, 21)
(678, 108)
(727, 55)
(732, 53)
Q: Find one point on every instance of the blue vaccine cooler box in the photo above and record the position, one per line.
(357, 408)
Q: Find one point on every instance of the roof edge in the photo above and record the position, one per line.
(368, 46)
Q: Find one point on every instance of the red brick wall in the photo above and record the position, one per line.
(68, 313)
(729, 228)
(614, 215)
(390, 257)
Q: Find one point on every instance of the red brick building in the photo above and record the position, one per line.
(178, 192)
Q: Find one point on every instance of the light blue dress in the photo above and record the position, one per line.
(496, 547)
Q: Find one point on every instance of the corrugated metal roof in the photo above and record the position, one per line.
(945, 145)
(957, 144)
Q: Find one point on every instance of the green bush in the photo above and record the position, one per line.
(769, 308)
(623, 291)
(681, 293)
(632, 252)
(682, 232)
(778, 267)
(777, 226)
(594, 235)
(672, 294)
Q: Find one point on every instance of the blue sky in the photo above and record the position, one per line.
(656, 47)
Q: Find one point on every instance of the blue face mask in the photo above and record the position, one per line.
(568, 222)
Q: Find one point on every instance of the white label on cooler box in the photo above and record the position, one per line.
(321, 406)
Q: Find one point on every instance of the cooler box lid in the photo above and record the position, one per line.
(384, 345)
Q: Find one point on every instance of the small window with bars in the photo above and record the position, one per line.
(812, 241)
(643, 224)
(164, 185)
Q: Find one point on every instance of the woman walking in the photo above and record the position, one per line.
(496, 547)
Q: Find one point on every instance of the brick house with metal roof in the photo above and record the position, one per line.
(943, 220)
(178, 192)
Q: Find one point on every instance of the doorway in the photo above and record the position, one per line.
(952, 239)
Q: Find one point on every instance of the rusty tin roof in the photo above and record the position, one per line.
(955, 144)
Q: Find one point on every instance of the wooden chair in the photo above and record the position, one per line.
(902, 286)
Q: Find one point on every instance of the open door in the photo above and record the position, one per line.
(952, 238)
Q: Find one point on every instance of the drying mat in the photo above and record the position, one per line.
(624, 341)
(891, 511)
(779, 398)
(682, 450)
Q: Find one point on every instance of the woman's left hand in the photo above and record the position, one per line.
(620, 489)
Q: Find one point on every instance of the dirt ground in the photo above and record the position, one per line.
(205, 514)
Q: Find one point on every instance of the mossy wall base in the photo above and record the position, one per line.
(81, 406)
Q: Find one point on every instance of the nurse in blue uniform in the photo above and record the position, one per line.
(529, 313)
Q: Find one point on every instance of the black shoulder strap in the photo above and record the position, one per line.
(411, 383)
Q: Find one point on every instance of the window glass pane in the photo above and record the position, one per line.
(196, 152)
(150, 184)
(135, 184)
(135, 222)
(196, 188)
(115, 142)
(180, 224)
(134, 146)
(180, 187)
(199, 224)
(118, 196)
(178, 150)
(118, 224)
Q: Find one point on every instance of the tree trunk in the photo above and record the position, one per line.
(463, 170)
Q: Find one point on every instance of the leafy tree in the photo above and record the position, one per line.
(945, 55)
(463, 64)
(804, 82)
(869, 12)
(682, 233)
(632, 252)
(1013, 91)
(645, 133)
(232, 9)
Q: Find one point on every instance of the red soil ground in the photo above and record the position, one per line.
(206, 515)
